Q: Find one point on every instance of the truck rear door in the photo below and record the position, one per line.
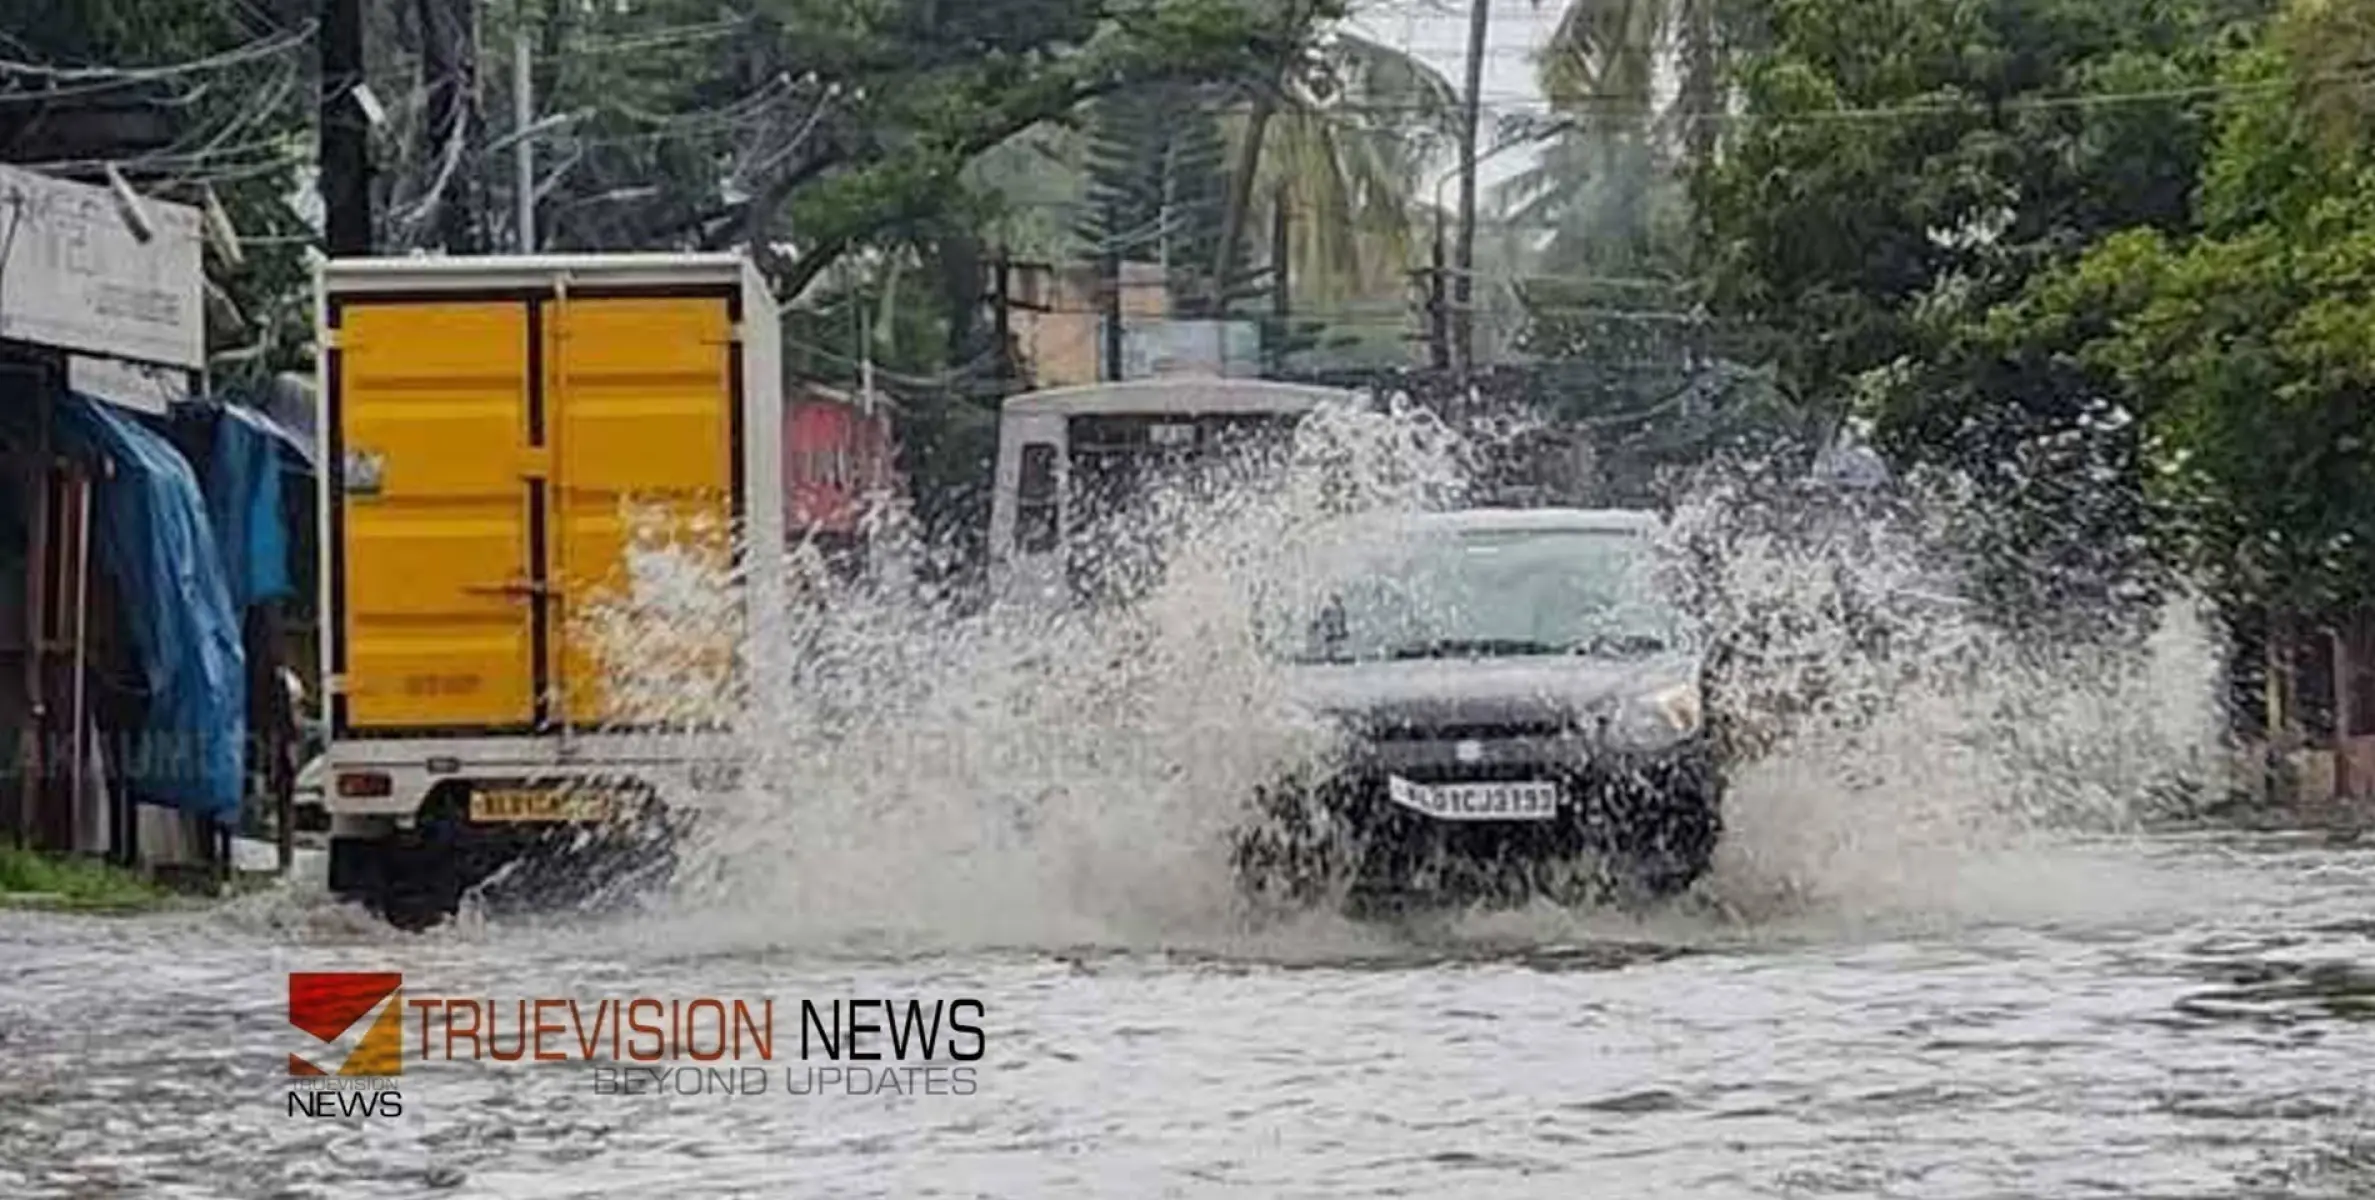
(644, 392)
(488, 447)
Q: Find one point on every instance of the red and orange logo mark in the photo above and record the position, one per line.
(328, 1004)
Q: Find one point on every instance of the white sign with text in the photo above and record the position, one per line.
(74, 275)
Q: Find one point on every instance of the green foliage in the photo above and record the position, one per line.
(1157, 185)
(1907, 155)
(74, 882)
(1614, 294)
(2110, 262)
(2249, 347)
(1898, 220)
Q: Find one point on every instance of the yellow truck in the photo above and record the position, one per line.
(491, 421)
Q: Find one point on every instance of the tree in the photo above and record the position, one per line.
(1348, 135)
(1605, 56)
(1608, 186)
(1157, 188)
(2247, 344)
(1334, 152)
(1343, 131)
(1899, 159)
(1900, 170)
(802, 128)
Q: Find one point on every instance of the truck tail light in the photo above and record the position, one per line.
(364, 784)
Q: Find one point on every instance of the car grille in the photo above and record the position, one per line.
(1395, 731)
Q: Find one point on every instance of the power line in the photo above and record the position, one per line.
(261, 48)
(1961, 106)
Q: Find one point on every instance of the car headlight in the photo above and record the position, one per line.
(1659, 719)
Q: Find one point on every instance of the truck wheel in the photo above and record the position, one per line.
(358, 868)
(395, 880)
(414, 911)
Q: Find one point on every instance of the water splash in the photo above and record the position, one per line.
(927, 771)
(923, 769)
(1898, 748)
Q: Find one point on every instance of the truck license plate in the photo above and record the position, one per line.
(526, 806)
(1528, 801)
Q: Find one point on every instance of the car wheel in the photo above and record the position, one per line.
(1662, 858)
(1288, 854)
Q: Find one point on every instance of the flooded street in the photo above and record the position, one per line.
(1176, 598)
(1937, 954)
(2167, 1016)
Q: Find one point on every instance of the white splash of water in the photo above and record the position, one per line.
(1904, 754)
(927, 774)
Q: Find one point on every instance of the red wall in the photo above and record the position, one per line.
(832, 456)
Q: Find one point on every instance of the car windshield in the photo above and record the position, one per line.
(1498, 593)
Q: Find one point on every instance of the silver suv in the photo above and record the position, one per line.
(1521, 707)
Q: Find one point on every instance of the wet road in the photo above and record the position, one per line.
(2180, 1016)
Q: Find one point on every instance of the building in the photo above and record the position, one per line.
(840, 456)
(1058, 319)
(146, 538)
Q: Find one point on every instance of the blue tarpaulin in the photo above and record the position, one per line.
(155, 540)
(243, 483)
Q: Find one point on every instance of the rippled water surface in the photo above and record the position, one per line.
(1934, 959)
(2169, 1016)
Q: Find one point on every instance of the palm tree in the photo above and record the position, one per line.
(1341, 143)
(1339, 139)
(1604, 59)
(1606, 186)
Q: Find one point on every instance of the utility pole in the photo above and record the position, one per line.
(1438, 313)
(1001, 318)
(1463, 279)
(1281, 303)
(1110, 268)
(345, 132)
(523, 151)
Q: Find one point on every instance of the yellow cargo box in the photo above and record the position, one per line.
(490, 419)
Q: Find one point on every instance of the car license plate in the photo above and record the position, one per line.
(1528, 801)
(529, 806)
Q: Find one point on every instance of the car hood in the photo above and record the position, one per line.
(1489, 691)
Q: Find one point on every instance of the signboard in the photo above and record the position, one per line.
(131, 385)
(1156, 347)
(74, 276)
(834, 456)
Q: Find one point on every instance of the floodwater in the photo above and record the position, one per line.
(2178, 1015)
(1959, 941)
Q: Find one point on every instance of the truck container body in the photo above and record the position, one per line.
(491, 421)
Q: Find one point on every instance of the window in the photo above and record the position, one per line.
(1493, 593)
(1036, 510)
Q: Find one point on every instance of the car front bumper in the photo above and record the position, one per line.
(1626, 821)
